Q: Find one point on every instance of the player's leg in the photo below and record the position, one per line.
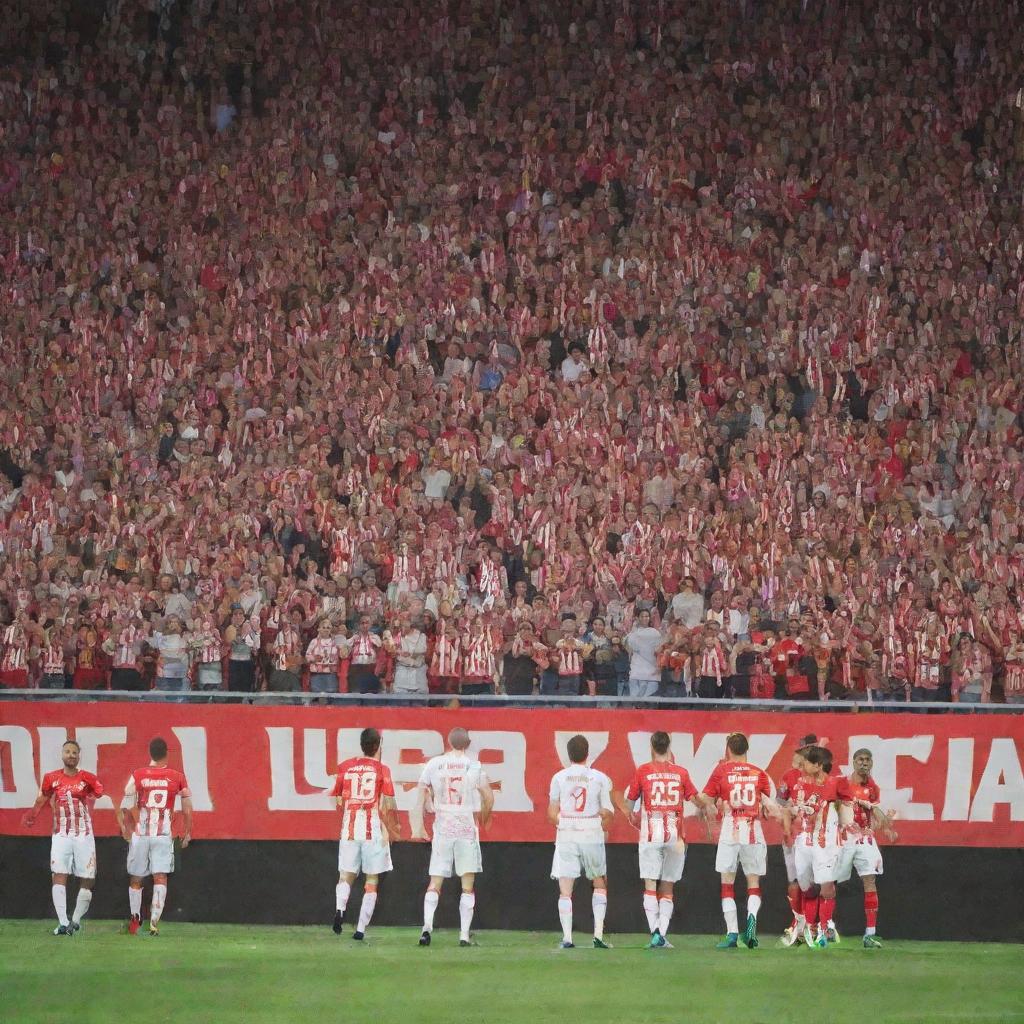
(826, 908)
(869, 867)
(754, 861)
(651, 865)
(732, 932)
(156, 905)
(467, 904)
(161, 857)
(62, 860)
(673, 860)
(565, 888)
(595, 863)
(342, 891)
(367, 907)
(85, 869)
(138, 869)
(792, 892)
(727, 861)
(666, 907)
(430, 901)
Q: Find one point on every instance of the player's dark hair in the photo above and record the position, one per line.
(820, 756)
(578, 748)
(737, 743)
(808, 741)
(660, 742)
(73, 743)
(863, 750)
(369, 741)
(158, 748)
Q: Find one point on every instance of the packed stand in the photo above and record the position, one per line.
(643, 349)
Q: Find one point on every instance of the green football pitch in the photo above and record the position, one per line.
(224, 974)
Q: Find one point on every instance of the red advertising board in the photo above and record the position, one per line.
(263, 772)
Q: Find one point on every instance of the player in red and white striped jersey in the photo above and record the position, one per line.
(743, 792)
(366, 798)
(662, 787)
(784, 794)
(70, 792)
(149, 798)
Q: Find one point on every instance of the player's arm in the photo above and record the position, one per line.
(128, 802)
(29, 818)
(186, 813)
(606, 809)
(624, 803)
(417, 814)
(486, 801)
(884, 822)
(553, 811)
(389, 817)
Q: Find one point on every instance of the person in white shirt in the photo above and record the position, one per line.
(581, 809)
(460, 794)
(573, 365)
(642, 642)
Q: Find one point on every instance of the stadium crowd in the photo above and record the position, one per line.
(615, 348)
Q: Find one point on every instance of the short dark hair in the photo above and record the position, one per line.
(820, 756)
(660, 742)
(72, 743)
(158, 748)
(578, 748)
(369, 741)
(737, 744)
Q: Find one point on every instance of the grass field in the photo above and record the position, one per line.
(224, 974)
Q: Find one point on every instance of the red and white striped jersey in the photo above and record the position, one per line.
(153, 791)
(713, 662)
(322, 655)
(478, 655)
(211, 647)
(663, 788)
(739, 786)
(128, 652)
(362, 782)
(569, 661)
(363, 648)
(445, 659)
(15, 649)
(71, 797)
(53, 659)
(287, 646)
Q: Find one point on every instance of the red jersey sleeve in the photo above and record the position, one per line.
(688, 788)
(635, 786)
(836, 787)
(336, 788)
(714, 786)
(387, 786)
(764, 784)
(183, 785)
(94, 784)
(49, 784)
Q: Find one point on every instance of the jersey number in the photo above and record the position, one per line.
(743, 794)
(364, 786)
(453, 790)
(579, 798)
(156, 799)
(665, 793)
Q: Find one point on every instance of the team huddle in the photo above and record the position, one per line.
(828, 823)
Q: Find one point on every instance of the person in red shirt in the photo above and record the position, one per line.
(784, 794)
(784, 657)
(860, 847)
(662, 787)
(149, 798)
(365, 796)
(742, 791)
(70, 792)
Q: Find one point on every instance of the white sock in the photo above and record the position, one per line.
(156, 908)
(600, 905)
(565, 917)
(801, 922)
(60, 903)
(82, 905)
(466, 904)
(135, 902)
(651, 910)
(729, 910)
(665, 908)
(869, 931)
(753, 905)
(341, 893)
(429, 906)
(831, 923)
(366, 909)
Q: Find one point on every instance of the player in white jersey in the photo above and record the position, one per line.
(581, 810)
(71, 793)
(461, 798)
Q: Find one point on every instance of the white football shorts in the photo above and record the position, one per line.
(825, 862)
(450, 856)
(662, 862)
(150, 855)
(862, 855)
(752, 857)
(789, 856)
(574, 858)
(73, 855)
(803, 862)
(371, 856)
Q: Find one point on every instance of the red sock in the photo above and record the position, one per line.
(870, 909)
(826, 908)
(810, 908)
(793, 895)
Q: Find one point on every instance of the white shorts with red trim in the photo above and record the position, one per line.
(861, 853)
(574, 858)
(789, 856)
(662, 862)
(371, 856)
(752, 857)
(454, 856)
(150, 855)
(73, 855)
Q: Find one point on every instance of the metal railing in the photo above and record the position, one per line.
(271, 699)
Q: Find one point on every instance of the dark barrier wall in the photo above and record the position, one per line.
(926, 892)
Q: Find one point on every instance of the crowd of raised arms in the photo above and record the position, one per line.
(593, 347)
